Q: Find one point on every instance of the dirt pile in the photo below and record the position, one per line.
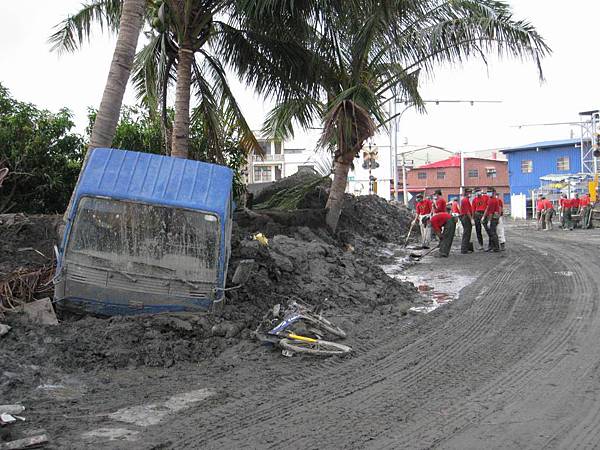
(26, 241)
(302, 260)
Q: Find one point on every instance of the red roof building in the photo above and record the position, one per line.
(446, 175)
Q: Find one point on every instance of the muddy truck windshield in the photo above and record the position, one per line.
(145, 240)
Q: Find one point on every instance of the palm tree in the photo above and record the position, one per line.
(351, 55)
(124, 16)
(180, 50)
(127, 17)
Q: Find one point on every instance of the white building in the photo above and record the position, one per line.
(282, 159)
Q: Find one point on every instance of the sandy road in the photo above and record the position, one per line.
(512, 364)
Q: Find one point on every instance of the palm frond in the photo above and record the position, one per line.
(72, 32)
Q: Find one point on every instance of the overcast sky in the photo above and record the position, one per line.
(76, 81)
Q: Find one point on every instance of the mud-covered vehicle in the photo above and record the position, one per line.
(147, 233)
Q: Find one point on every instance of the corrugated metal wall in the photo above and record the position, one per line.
(545, 162)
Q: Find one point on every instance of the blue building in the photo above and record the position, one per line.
(528, 163)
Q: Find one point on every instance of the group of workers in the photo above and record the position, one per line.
(484, 212)
(570, 210)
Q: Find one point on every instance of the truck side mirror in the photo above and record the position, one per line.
(243, 271)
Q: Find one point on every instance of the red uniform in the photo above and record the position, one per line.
(455, 208)
(575, 202)
(424, 207)
(540, 205)
(440, 205)
(501, 202)
(480, 203)
(564, 203)
(465, 206)
(584, 201)
(493, 206)
(548, 204)
(439, 220)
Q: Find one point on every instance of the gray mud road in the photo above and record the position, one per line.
(513, 363)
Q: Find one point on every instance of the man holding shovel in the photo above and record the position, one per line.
(423, 214)
(466, 218)
(444, 226)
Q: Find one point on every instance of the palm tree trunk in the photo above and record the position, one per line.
(105, 125)
(335, 202)
(130, 25)
(181, 125)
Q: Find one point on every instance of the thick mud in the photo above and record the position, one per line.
(85, 355)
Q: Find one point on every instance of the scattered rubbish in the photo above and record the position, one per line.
(261, 238)
(24, 285)
(4, 329)
(6, 419)
(24, 443)
(282, 329)
(41, 312)
(11, 409)
(154, 413)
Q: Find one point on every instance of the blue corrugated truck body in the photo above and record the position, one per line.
(142, 181)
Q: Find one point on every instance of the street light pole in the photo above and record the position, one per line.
(404, 187)
(395, 159)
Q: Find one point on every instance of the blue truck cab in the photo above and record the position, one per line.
(146, 234)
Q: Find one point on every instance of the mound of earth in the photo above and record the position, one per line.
(302, 260)
(314, 196)
(26, 241)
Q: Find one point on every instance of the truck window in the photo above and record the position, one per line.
(144, 239)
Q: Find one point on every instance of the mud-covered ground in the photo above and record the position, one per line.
(512, 363)
(43, 365)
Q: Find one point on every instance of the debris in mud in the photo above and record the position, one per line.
(41, 312)
(29, 442)
(4, 329)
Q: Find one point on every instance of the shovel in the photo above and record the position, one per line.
(419, 256)
(412, 224)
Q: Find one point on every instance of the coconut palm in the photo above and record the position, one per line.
(352, 55)
(179, 34)
(126, 17)
(164, 61)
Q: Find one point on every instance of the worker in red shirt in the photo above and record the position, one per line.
(500, 229)
(563, 204)
(440, 202)
(585, 204)
(478, 205)
(539, 211)
(423, 210)
(491, 216)
(548, 213)
(466, 218)
(443, 225)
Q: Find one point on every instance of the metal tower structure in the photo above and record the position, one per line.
(590, 141)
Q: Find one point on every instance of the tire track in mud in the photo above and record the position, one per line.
(525, 376)
(475, 329)
(402, 363)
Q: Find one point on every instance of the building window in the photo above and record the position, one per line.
(422, 175)
(491, 172)
(473, 173)
(291, 151)
(563, 164)
(266, 147)
(262, 174)
(441, 175)
(278, 147)
(526, 166)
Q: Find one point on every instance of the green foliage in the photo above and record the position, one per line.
(43, 157)
(137, 130)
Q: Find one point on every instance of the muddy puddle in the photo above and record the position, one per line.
(436, 288)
